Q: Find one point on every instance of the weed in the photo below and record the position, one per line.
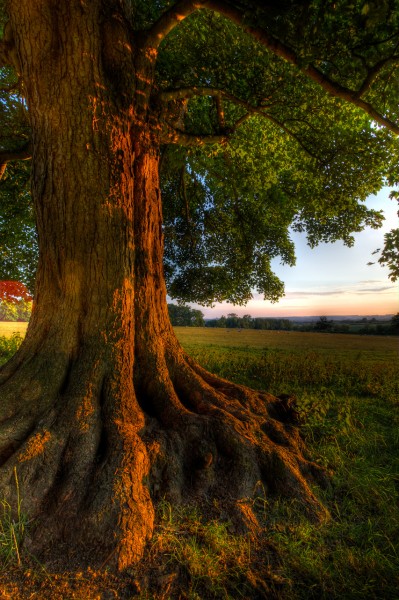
(12, 529)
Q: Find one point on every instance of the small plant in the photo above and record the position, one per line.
(12, 529)
(9, 346)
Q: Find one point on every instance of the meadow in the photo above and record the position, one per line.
(347, 389)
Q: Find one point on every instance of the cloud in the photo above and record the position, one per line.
(376, 289)
(311, 293)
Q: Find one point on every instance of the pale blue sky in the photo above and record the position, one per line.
(332, 279)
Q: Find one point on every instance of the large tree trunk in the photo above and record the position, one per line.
(101, 410)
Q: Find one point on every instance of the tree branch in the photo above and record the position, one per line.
(12, 87)
(5, 60)
(170, 19)
(180, 93)
(183, 8)
(176, 136)
(279, 49)
(24, 153)
(372, 73)
(191, 92)
(220, 112)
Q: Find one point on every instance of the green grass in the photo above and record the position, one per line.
(349, 346)
(348, 393)
(348, 396)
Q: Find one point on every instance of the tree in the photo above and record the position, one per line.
(14, 291)
(15, 301)
(8, 311)
(288, 117)
(394, 325)
(323, 324)
(184, 316)
(246, 322)
(233, 321)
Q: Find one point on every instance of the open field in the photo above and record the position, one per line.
(370, 347)
(347, 389)
(7, 328)
(194, 338)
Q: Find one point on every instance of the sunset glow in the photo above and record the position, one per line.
(332, 279)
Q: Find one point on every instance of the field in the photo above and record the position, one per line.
(347, 389)
(7, 328)
(341, 345)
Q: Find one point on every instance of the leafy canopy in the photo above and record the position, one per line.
(276, 117)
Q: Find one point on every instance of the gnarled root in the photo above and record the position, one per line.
(92, 463)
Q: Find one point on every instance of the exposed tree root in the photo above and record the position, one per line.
(92, 462)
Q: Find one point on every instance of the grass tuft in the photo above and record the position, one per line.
(12, 529)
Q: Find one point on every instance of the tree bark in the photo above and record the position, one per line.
(102, 412)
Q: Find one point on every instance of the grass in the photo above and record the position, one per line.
(213, 562)
(348, 395)
(12, 529)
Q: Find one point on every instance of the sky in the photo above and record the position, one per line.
(331, 279)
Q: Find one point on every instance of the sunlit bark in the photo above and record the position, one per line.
(101, 410)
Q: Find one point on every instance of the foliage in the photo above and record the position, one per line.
(309, 163)
(395, 323)
(14, 291)
(18, 243)
(390, 253)
(15, 310)
(362, 326)
(184, 316)
(9, 346)
(323, 324)
(286, 153)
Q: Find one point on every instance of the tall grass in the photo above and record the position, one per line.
(13, 525)
(279, 371)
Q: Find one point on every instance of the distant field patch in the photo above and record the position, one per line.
(7, 328)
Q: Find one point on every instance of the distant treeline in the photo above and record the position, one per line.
(360, 326)
(184, 316)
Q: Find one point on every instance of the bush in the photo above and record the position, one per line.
(9, 346)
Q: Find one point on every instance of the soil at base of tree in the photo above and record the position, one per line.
(155, 577)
